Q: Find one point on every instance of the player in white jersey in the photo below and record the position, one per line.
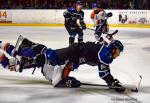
(98, 17)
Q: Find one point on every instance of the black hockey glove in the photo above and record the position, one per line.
(83, 26)
(109, 14)
(72, 82)
(116, 85)
(103, 21)
(69, 82)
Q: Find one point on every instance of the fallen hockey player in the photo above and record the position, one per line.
(56, 64)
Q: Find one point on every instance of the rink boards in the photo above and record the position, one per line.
(54, 17)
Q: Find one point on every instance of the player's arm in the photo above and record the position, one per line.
(67, 16)
(92, 15)
(104, 73)
(93, 19)
(81, 20)
(101, 16)
(61, 77)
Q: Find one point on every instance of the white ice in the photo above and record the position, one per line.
(27, 88)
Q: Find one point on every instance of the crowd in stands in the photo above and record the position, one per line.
(63, 4)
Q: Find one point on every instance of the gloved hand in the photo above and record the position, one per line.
(72, 82)
(116, 85)
(69, 82)
(83, 26)
(109, 14)
(103, 21)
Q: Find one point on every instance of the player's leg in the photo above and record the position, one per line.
(80, 37)
(55, 71)
(105, 28)
(71, 39)
(66, 80)
(25, 51)
(72, 34)
(4, 61)
(58, 77)
(104, 73)
(7, 47)
(32, 56)
(27, 48)
(98, 33)
(80, 34)
(23, 48)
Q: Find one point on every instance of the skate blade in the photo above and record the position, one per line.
(19, 41)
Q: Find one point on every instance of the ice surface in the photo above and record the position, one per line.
(27, 88)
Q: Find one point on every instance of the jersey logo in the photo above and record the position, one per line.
(82, 60)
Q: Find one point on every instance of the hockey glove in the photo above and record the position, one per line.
(116, 85)
(83, 26)
(72, 82)
(109, 14)
(69, 82)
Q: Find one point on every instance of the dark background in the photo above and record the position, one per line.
(63, 4)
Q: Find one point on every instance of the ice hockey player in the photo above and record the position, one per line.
(57, 64)
(71, 16)
(100, 24)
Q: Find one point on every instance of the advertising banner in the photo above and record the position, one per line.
(5, 16)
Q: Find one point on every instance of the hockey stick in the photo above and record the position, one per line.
(105, 38)
(116, 31)
(139, 82)
(132, 90)
(19, 40)
(113, 87)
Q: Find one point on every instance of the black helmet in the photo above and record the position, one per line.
(116, 44)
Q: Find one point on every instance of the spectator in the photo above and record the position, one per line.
(5, 4)
(63, 4)
(17, 4)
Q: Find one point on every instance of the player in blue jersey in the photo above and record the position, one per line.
(57, 64)
(71, 16)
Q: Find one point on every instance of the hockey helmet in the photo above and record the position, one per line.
(116, 44)
(94, 5)
(78, 3)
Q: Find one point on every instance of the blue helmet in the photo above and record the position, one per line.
(78, 3)
(72, 10)
(94, 5)
(116, 44)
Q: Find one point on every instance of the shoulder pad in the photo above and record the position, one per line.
(71, 10)
(52, 56)
(105, 55)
